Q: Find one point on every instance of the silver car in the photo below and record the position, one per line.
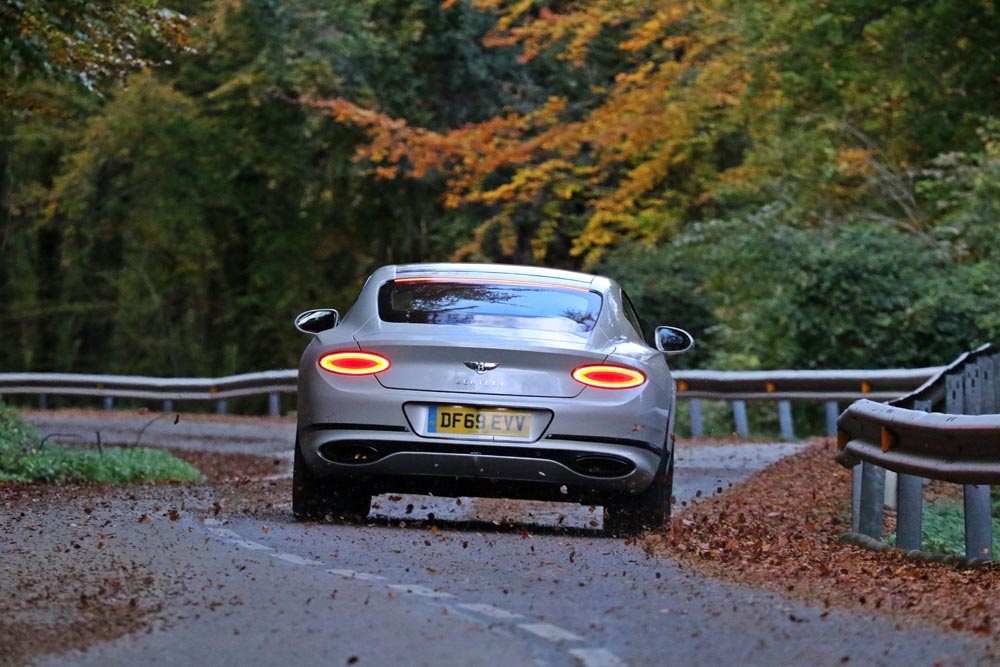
(486, 380)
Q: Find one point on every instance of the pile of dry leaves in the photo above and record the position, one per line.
(779, 529)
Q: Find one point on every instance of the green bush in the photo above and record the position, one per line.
(24, 458)
(760, 293)
(839, 296)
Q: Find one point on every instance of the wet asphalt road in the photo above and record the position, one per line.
(529, 591)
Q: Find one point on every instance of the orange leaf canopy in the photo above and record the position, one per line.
(626, 164)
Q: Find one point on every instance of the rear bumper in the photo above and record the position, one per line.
(628, 427)
(561, 465)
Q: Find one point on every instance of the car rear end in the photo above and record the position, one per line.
(482, 384)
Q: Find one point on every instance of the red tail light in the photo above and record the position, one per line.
(608, 377)
(353, 363)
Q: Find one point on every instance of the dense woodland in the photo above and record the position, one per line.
(800, 183)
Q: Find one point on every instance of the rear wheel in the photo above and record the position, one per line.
(316, 499)
(631, 515)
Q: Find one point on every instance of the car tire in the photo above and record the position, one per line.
(317, 499)
(626, 516)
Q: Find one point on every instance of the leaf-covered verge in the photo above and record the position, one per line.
(88, 589)
(780, 528)
(24, 458)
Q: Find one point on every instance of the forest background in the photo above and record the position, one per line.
(800, 183)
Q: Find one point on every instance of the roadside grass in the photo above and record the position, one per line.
(24, 458)
(944, 527)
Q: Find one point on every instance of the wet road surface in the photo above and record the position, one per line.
(489, 582)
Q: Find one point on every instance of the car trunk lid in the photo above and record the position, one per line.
(482, 363)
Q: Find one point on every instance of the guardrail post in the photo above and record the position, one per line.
(996, 385)
(954, 394)
(43, 402)
(220, 408)
(856, 498)
(978, 524)
(740, 417)
(274, 404)
(694, 413)
(168, 405)
(872, 519)
(109, 403)
(891, 489)
(910, 512)
(990, 385)
(832, 412)
(785, 420)
(973, 390)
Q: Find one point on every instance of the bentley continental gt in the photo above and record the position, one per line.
(486, 381)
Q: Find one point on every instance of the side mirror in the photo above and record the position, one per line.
(317, 321)
(671, 340)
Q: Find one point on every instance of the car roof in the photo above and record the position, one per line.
(457, 269)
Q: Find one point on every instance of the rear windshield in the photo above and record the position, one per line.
(537, 306)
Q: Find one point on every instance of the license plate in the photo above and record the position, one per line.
(458, 420)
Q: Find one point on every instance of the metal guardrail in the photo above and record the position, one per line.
(818, 385)
(947, 429)
(737, 387)
(267, 383)
(952, 448)
(785, 386)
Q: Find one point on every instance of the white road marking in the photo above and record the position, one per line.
(490, 610)
(247, 544)
(298, 560)
(422, 591)
(592, 657)
(237, 540)
(226, 533)
(553, 633)
(351, 574)
(596, 657)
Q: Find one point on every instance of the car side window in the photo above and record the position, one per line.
(632, 316)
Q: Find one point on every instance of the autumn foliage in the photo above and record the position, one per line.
(602, 169)
(800, 184)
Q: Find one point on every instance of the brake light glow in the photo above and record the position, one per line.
(604, 376)
(488, 281)
(353, 363)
